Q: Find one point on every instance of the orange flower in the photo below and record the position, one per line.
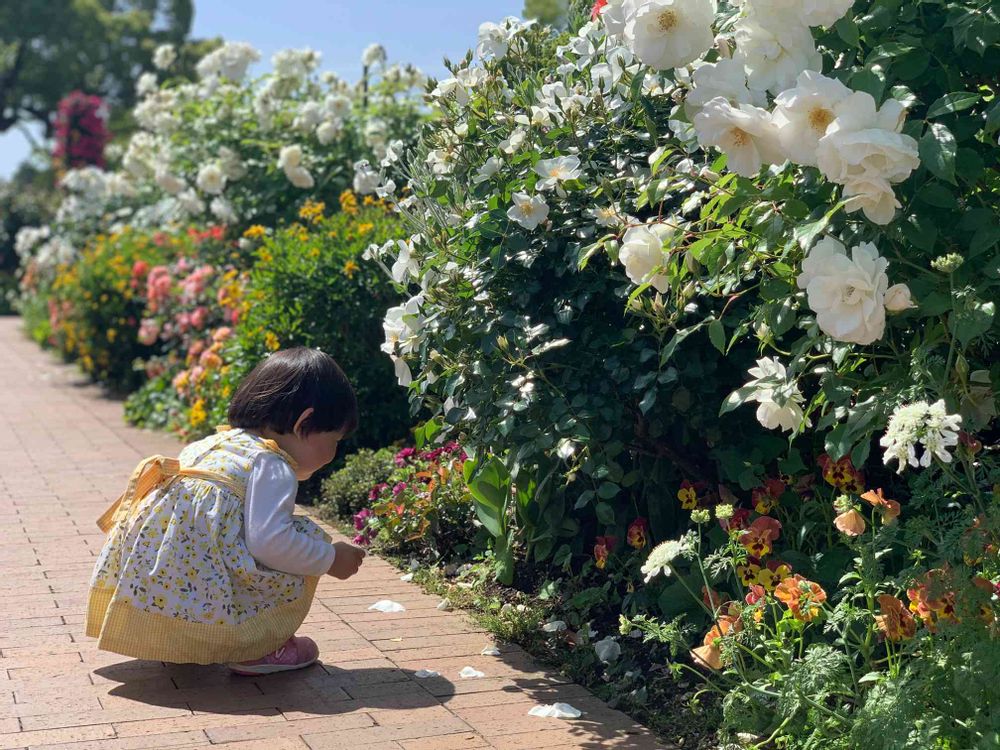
(754, 596)
(895, 622)
(801, 596)
(850, 522)
(637, 533)
(765, 499)
(688, 496)
(712, 598)
(759, 538)
(890, 508)
(931, 599)
(603, 545)
(709, 654)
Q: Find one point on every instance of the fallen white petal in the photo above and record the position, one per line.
(423, 674)
(387, 606)
(555, 626)
(469, 673)
(406, 578)
(490, 651)
(556, 711)
(444, 606)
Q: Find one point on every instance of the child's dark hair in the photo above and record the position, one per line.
(287, 383)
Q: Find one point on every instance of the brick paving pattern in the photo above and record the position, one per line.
(65, 453)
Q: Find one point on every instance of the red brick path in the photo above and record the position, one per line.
(65, 453)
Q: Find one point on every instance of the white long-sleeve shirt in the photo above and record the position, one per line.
(271, 537)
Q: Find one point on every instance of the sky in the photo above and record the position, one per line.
(421, 33)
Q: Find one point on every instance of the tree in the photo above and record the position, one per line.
(49, 48)
(551, 12)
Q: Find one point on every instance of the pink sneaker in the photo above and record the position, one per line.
(297, 653)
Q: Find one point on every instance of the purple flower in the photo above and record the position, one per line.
(398, 488)
(361, 519)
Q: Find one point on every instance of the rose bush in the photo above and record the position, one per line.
(612, 226)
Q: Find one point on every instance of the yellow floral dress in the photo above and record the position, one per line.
(175, 581)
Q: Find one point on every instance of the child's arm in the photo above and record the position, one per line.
(271, 537)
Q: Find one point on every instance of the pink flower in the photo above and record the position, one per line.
(221, 334)
(403, 456)
(398, 488)
(199, 317)
(149, 331)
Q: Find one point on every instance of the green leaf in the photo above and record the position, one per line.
(937, 151)
(608, 490)
(489, 486)
(717, 335)
(676, 339)
(737, 398)
(971, 319)
(847, 30)
(983, 240)
(956, 101)
(605, 514)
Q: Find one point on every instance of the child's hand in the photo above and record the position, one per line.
(347, 561)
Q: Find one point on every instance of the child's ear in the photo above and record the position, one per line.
(301, 421)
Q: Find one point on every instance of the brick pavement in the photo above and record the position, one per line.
(65, 453)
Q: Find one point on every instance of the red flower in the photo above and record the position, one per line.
(637, 533)
(759, 538)
(739, 520)
(595, 12)
(765, 499)
(603, 545)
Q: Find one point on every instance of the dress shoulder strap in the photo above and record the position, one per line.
(268, 445)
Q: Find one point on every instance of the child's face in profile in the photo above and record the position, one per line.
(311, 451)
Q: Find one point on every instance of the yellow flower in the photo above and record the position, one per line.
(255, 232)
(365, 228)
(265, 256)
(348, 202)
(369, 200)
(112, 334)
(351, 268)
(314, 252)
(198, 414)
(312, 211)
(271, 341)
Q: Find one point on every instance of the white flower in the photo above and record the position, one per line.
(190, 201)
(169, 182)
(300, 177)
(164, 56)
(146, 84)
(726, 78)
(486, 172)
(374, 54)
(366, 179)
(670, 33)
(803, 114)
(232, 166)
(774, 56)
(615, 16)
(28, 238)
(120, 185)
(328, 131)
(223, 211)
(864, 151)
(528, 211)
(493, 41)
(605, 216)
(309, 116)
(929, 425)
(807, 12)
(290, 157)
(746, 134)
(607, 649)
(778, 395)
(643, 255)
(231, 61)
(661, 556)
(897, 298)
(211, 179)
(555, 171)
(406, 265)
(441, 161)
(452, 88)
(337, 106)
(513, 144)
(403, 326)
(847, 294)
(295, 63)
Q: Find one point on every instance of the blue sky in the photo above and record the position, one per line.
(418, 32)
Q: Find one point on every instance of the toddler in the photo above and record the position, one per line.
(205, 562)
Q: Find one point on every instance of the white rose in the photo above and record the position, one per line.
(223, 211)
(778, 395)
(897, 298)
(190, 201)
(554, 171)
(328, 131)
(615, 16)
(164, 56)
(337, 106)
(803, 114)
(232, 165)
(290, 157)
(726, 79)
(846, 293)
(300, 177)
(211, 179)
(774, 416)
(168, 182)
(406, 265)
(486, 172)
(374, 54)
(807, 12)
(146, 84)
(746, 134)
(775, 56)
(528, 211)
(492, 41)
(872, 194)
(670, 33)
(452, 88)
(643, 255)
(366, 179)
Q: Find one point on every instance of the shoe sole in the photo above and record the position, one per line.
(269, 668)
